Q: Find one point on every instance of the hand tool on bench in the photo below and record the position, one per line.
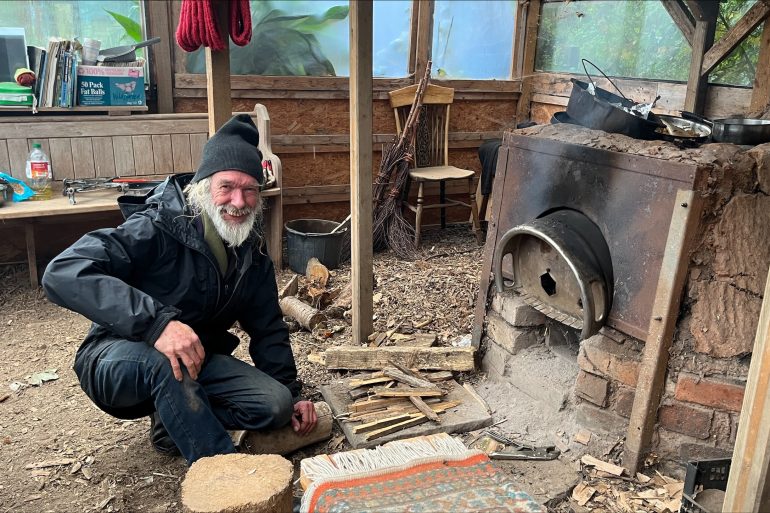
(520, 450)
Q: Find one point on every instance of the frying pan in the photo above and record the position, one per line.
(741, 131)
(683, 132)
(124, 53)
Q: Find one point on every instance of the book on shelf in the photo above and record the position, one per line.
(56, 81)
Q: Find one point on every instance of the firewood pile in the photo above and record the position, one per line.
(310, 299)
(396, 398)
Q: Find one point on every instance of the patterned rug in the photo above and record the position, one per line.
(451, 480)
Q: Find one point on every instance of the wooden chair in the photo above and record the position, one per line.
(432, 153)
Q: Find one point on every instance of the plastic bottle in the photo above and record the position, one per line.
(39, 173)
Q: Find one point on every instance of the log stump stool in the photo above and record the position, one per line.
(238, 483)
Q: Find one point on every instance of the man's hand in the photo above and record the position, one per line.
(304, 419)
(179, 342)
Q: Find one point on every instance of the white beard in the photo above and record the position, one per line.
(234, 234)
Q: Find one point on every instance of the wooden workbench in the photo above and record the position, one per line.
(29, 213)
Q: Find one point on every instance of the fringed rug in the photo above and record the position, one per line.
(431, 474)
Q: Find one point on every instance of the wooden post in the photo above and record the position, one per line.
(760, 94)
(361, 167)
(424, 48)
(705, 14)
(682, 18)
(748, 485)
(665, 310)
(163, 74)
(218, 92)
(528, 61)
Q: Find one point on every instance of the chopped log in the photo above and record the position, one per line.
(307, 316)
(406, 370)
(424, 409)
(317, 273)
(417, 418)
(291, 288)
(345, 300)
(438, 376)
(284, 440)
(242, 482)
(428, 358)
(407, 392)
(358, 393)
(408, 378)
(403, 407)
(377, 424)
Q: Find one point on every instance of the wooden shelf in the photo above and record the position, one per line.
(116, 109)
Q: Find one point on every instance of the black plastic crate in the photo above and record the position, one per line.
(706, 474)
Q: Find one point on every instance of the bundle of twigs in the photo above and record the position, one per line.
(390, 228)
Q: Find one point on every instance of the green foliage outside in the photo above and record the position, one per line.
(635, 39)
(281, 44)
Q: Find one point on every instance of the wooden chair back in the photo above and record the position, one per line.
(432, 138)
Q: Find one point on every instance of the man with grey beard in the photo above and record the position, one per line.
(164, 288)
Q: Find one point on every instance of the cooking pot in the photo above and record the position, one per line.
(606, 111)
(743, 131)
(683, 132)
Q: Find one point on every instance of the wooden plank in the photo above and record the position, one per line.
(162, 154)
(665, 310)
(355, 383)
(29, 235)
(5, 163)
(414, 420)
(735, 36)
(431, 358)
(197, 142)
(424, 408)
(219, 101)
(424, 39)
(58, 205)
(44, 128)
(532, 17)
(760, 94)
(83, 157)
(373, 404)
(61, 158)
(694, 98)
(407, 392)
(158, 24)
(180, 152)
(696, 9)
(361, 169)
(604, 466)
(144, 163)
(104, 156)
(123, 149)
(408, 379)
(748, 484)
(681, 16)
(18, 151)
(371, 426)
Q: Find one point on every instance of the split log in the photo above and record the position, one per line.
(408, 378)
(372, 404)
(417, 418)
(285, 440)
(307, 316)
(407, 392)
(424, 409)
(290, 289)
(355, 383)
(317, 273)
(431, 358)
(342, 303)
(377, 424)
(234, 483)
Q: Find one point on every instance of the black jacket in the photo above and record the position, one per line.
(132, 280)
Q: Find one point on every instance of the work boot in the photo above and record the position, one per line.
(160, 439)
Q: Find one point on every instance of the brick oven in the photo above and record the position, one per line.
(641, 263)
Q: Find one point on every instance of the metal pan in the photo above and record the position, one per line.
(124, 53)
(683, 132)
(743, 131)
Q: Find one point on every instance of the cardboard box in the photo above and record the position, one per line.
(110, 86)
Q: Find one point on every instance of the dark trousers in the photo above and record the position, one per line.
(128, 377)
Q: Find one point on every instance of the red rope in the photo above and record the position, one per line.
(198, 25)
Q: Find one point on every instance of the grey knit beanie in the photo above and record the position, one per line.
(233, 147)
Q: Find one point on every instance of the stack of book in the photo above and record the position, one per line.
(56, 72)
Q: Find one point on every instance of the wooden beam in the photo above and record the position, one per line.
(220, 105)
(735, 36)
(760, 94)
(665, 310)
(703, 38)
(748, 485)
(428, 358)
(158, 24)
(424, 48)
(413, 29)
(697, 10)
(532, 17)
(361, 168)
(682, 18)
